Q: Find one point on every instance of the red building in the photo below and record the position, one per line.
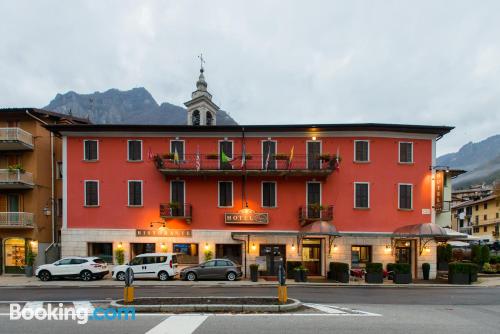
(312, 193)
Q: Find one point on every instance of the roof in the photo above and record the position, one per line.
(473, 202)
(452, 172)
(404, 128)
(44, 113)
(427, 230)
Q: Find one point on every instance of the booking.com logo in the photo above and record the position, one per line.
(81, 315)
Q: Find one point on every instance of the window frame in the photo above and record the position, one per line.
(320, 193)
(85, 194)
(59, 170)
(218, 194)
(183, 190)
(368, 151)
(183, 157)
(320, 151)
(219, 151)
(370, 260)
(412, 152)
(355, 193)
(85, 150)
(128, 150)
(399, 196)
(275, 194)
(180, 253)
(128, 194)
(263, 162)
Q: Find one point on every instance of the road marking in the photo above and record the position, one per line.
(341, 311)
(84, 305)
(178, 324)
(325, 308)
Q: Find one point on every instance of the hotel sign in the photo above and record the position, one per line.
(164, 233)
(438, 191)
(246, 217)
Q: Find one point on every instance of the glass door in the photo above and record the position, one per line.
(313, 200)
(311, 256)
(275, 255)
(313, 154)
(15, 255)
(177, 198)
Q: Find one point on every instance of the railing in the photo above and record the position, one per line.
(16, 134)
(314, 212)
(279, 162)
(15, 176)
(176, 211)
(16, 219)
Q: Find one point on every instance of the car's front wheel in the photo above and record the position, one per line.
(44, 276)
(231, 276)
(86, 275)
(120, 276)
(163, 276)
(191, 276)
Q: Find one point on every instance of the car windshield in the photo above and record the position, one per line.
(99, 261)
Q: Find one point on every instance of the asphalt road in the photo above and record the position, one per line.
(335, 295)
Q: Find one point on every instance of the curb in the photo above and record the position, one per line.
(210, 308)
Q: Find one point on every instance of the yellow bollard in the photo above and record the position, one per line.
(282, 294)
(128, 294)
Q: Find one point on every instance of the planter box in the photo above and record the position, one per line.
(473, 277)
(342, 277)
(304, 275)
(400, 278)
(374, 278)
(254, 274)
(459, 278)
(298, 275)
(442, 266)
(28, 271)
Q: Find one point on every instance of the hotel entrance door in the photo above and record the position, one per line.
(311, 256)
(274, 255)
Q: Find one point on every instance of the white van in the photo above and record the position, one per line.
(149, 265)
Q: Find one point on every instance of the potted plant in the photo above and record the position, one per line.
(460, 272)
(426, 269)
(281, 156)
(212, 156)
(254, 272)
(30, 261)
(158, 161)
(16, 167)
(304, 271)
(120, 256)
(489, 269)
(208, 255)
(485, 254)
(290, 268)
(339, 272)
(298, 273)
(374, 273)
(402, 273)
(316, 207)
(325, 157)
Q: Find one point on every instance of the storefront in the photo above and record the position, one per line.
(14, 255)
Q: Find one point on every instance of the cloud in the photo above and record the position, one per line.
(420, 62)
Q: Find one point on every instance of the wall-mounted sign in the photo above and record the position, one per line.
(438, 191)
(246, 216)
(164, 233)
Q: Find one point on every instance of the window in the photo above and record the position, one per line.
(103, 250)
(91, 193)
(225, 193)
(405, 196)
(361, 150)
(313, 198)
(268, 194)
(134, 150)
(477, 207)
(360, 256)
(313, 154)
(405, 152)
(90, 150)
(187, 253)
(78, 261)
(485, 217)
(177, 188)
(498, 215)
(476, 219)
(59, 170)
(64, 262)
(485, 228)
(226, 154)
(485, 205)
(361, 195)
(177, 146)
(135, 193)
(210, 118)
(476, 229)
(268, 154)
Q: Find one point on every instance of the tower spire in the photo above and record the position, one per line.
(201, 84)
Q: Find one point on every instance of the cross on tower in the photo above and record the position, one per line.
(202, 61)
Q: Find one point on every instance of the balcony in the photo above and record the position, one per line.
(176, 211)
(15, 179)
(16, 220)
(15, 139)
(256, 165)
(314, 212)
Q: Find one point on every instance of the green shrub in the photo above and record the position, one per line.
(390, 266)
(448, 253)
(374, 268)
(120, 256)
(485, 254)
(462, 267)
(402, 268)
(487, 268)
(208, 255)
(494, 259)
(337, 267)
(476, 253)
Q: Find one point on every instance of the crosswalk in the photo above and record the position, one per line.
(341, 311)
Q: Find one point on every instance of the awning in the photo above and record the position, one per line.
(458, 244)
(427, 230)
(319, 228)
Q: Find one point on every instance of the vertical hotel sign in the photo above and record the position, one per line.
(438, 191)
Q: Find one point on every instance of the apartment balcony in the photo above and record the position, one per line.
(255, 165)
(15, 179)
(314, 212)
(176, 211)
(16, 220)
(15, 139)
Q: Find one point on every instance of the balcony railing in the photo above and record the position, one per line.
(192, 164)
(176, 211)
(15, 179)
(16, 220)
(314, 212)
(15, 138)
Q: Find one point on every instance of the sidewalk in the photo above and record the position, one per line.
(22, 281)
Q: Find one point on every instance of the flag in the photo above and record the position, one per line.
(267, 159)
(150, 154)
(291, 157)
(243, 157)
(224, 158)
(337, 160)
(198, 163)
(176, 156)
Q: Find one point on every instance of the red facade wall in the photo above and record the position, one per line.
(383, 172)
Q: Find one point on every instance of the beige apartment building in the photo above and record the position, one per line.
(30, 186)
(480, 218)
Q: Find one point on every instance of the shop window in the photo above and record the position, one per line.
(135, 193)
(134, 150)
(91, 150)
(141, 248)
(361, 150)
(91, 193)
(361, 195)
(186, 253)
(225, 193)
(268, 194)
(360, 256)
(15, 255)
(103, 250)
(405, 196)
(405, 152)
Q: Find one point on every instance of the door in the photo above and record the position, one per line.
(208, 271)
(268, 155)
(311, 256)
(137, 265)
(149, 266)
(63, 267)
(275, 255)
(313, 154)
(221, 267)
(177, 197)
(313, 200)
(229, 251)
(14, 253)
(225, 147)
(177, 146)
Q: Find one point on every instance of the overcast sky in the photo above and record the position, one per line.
(422, 62)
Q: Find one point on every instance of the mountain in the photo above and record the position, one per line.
(481, 161)
(135, 106)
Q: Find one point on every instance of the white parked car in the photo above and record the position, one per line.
(150, 265)
(86, 268)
